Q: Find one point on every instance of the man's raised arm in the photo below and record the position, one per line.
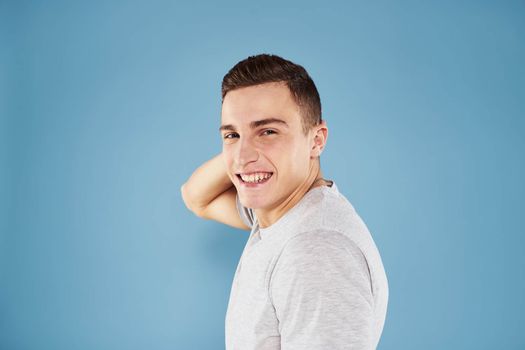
(210, 194)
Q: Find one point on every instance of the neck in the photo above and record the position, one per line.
(267, 218)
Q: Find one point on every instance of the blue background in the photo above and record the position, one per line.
(107, 108)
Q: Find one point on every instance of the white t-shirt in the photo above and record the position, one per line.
(312, 280)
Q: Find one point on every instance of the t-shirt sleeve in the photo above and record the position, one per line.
(246, 214)
(322, 294)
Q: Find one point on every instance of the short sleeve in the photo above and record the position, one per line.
(322, 294)
(246, 214)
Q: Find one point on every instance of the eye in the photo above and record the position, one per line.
(227, 135)
(272, 131)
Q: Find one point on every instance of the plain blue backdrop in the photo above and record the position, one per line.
(107, 108)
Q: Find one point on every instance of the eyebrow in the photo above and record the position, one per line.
(256, 124)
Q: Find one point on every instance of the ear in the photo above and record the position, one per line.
(320, 135)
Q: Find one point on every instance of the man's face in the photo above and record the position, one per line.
(279, 148)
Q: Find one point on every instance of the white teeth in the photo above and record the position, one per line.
(257, 177)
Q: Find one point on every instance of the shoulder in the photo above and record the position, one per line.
(337, 218)
(329, 210)
(323, 251)
(319, 241)
(321, 261)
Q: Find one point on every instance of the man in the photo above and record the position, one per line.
(310, 275)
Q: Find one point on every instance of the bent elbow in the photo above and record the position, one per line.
(190, 205)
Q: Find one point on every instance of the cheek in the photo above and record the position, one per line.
(296, 149)
(227, 159)
(288, 156)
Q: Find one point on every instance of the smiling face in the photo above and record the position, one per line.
(262, 133)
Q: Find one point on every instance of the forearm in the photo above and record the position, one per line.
(206, 183)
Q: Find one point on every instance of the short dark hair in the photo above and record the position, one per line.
(266, 68)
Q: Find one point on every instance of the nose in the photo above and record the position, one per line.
(245, 152)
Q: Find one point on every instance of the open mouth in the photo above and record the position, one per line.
(255, 182)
